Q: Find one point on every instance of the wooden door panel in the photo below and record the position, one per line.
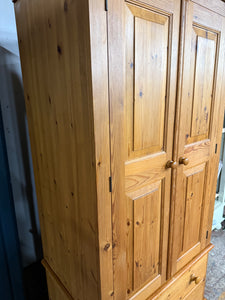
(149, 111)
(147, 223)
(141, 128)
(203, 60)
(151, 40)
(147, 49)
(194, 183)
(197, 134)
(203, 84)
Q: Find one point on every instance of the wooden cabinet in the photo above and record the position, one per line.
(199, 130)
(125, 104)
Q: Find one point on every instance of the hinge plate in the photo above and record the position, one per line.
(106, 5)
(110, 184)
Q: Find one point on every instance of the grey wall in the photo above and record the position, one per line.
(17, 139)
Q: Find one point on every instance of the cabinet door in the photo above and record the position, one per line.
(199, 132)
(143, 51)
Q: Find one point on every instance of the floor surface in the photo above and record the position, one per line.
(215, 278)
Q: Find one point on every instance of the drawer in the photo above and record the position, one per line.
(197, 292)
(187, 283)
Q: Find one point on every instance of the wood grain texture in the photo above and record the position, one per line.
(56, 290)
(116, 95)
(197, 293)
(182, 286)
(199, 105)
(147, 215)
(58, 66)
(179, 286)
(193, 209)
(99, 66)
(141, 145)
(149, 87)
(215, 5)
(206, 43)
(105, 98)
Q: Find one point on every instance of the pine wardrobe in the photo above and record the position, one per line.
(125, 105)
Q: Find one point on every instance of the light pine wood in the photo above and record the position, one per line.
(197, 293)
(197, 133)
(205, 58)
(183, 286)
(116, 95)
(180, 286)
(141, 121)
(67, 108)
(99, 67)
(56, 291)
(194, 184)
(125, 104)
(147, 211)
(151, 36)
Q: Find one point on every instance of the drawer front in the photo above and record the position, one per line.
(190, 280)
(197, 293)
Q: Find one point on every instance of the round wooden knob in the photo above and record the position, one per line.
(171, 164)
(194, 278)
(184, 161)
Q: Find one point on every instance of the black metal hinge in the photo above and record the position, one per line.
(207, 234)
(110, 184)
(106, 5)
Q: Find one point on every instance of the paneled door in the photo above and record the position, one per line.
(200, 117)
(143, 54)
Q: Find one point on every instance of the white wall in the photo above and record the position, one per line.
(16, 134)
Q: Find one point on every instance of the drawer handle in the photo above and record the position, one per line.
(184, 161)
(194, 278)
(171, 164)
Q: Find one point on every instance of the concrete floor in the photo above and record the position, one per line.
(215, 278)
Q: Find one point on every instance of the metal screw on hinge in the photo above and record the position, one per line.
(14, 1)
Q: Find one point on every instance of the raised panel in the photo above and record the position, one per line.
(142, 127)
(193, 206)
(144, 234)
(201, 83)
(150, 86)
(198, 131)
(147, 220)
(147, 50)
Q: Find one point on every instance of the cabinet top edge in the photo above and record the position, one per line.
(217, 6)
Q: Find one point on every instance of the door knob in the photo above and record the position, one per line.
(184, 161)
(194, 278)
(171, 164)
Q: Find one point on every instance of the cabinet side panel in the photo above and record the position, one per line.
(55, 293)
(99, 64)
(54, 40)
